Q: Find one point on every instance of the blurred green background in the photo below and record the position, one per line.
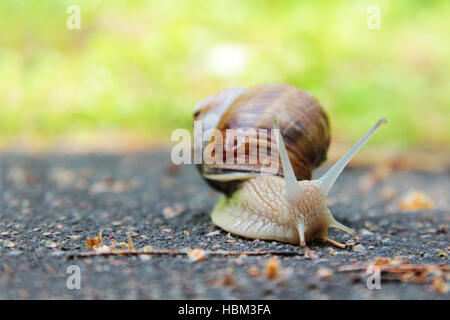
(140, 66)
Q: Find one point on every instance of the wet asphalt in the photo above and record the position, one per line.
(50, 204)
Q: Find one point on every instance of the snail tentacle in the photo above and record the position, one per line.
(292, 187)
(326, 182)
(338, 225)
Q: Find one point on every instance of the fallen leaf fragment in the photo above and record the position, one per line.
(130, 243)
(254, 271)
(93, 243)
(122, 244)
(196, 254)
(440, 284)
(324, 273)
(102, 248)
(407, 272)
(173, 211)
(416, 200)
(272, 269)
(228, 278)
(172, 168)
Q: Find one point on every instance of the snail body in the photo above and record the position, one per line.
(259, 209)
(286, 205)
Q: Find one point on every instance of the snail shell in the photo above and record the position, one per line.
(302, 120)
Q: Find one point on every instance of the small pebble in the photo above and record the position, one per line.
(9, 244)
(359, 248)
(324, 273)
(50, 244)
(365, 232)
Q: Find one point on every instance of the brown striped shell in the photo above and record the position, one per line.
(302, 121)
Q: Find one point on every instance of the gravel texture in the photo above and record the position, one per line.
(50, 204)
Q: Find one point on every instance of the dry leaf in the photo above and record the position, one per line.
(407, 272)
(122, 244)
(228, 278)
(173, 211)
(147, 248)
(416, 200)
(130, 243)
(272, 270)
(102, 248)
(440, 284)
(196, 254)
(93, 243)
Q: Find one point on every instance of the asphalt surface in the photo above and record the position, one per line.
(50, 204)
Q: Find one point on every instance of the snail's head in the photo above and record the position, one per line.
(307, 194)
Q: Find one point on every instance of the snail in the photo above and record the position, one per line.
(285, 205)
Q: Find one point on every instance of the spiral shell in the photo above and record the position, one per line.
(302, 121)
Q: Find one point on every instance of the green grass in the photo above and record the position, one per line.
(141, 65)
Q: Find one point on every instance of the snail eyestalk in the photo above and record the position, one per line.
(326, 182)
(338, 225)
(292, 186)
